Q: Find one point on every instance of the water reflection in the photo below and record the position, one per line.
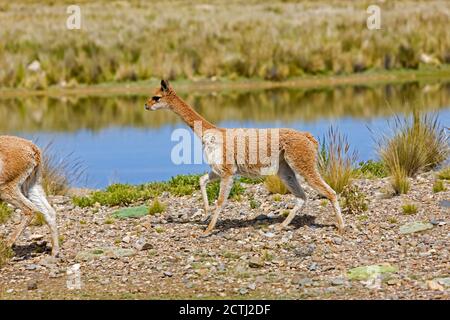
(119, 141)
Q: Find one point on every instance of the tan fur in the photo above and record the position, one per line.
(297, 152)
(20, 178)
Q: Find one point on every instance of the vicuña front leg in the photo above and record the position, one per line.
(203, 183)
(225, 187)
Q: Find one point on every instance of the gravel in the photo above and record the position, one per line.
(164, 255)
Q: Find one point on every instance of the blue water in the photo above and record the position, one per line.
(132, 155)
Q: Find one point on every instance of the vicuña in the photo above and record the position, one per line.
(231, 152)
(20, 185)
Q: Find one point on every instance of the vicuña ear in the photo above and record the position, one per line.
(165, 85)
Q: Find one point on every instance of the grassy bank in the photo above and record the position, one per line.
(136, 40)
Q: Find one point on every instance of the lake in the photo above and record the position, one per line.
(118, 141)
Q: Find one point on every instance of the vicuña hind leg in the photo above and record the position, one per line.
(307, 167)
(37, 195)
(288, 176)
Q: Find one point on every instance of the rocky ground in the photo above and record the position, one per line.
(163, 256)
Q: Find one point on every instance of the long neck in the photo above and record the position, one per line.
(190, 116)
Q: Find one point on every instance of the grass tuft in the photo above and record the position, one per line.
(336, 161)
(399, 181)
(59, 172)
(438, 186)
(274, 185)
(5, 212)
(444, 174)
(409, 209)
(6, 253)
(156, 207)
(415, 146)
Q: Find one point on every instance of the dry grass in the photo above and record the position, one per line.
(336, 160)
(444, 174)
(415, 146)
(59, 172)
(5, 253)
(5, 212)
(133, 40)
(439, 186)
(399, 180)
(274, 185)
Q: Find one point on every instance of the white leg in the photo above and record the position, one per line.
(203, 183)
(37, 195)
(225, 187)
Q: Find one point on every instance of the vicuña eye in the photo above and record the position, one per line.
(156, 98)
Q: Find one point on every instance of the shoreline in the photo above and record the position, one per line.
(427, 75)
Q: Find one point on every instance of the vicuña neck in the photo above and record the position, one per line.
(190, 116)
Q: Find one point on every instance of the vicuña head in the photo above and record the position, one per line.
(162, 98)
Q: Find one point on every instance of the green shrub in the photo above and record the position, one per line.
(156, 207)
(371, 169)
(126, 194)
(336, 161)
(353, 200)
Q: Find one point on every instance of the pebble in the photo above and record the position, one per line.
(32, 285)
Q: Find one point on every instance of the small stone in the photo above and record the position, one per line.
(269, 234)
(168, 274)
(261, 217)
(31, 267)
(142, 245)
(32, 285)
(433, 285)
(10, 291)
(255, 262)
(243, 291)
(312, 267)
(126, 239)
(252, 286)
(337, 240)
(415, 227)
(337, 282)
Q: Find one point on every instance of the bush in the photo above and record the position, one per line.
(274, 185)
(336, 161)
(371, 169)
(353, 200)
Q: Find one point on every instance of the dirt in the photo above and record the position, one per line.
(164, 256)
